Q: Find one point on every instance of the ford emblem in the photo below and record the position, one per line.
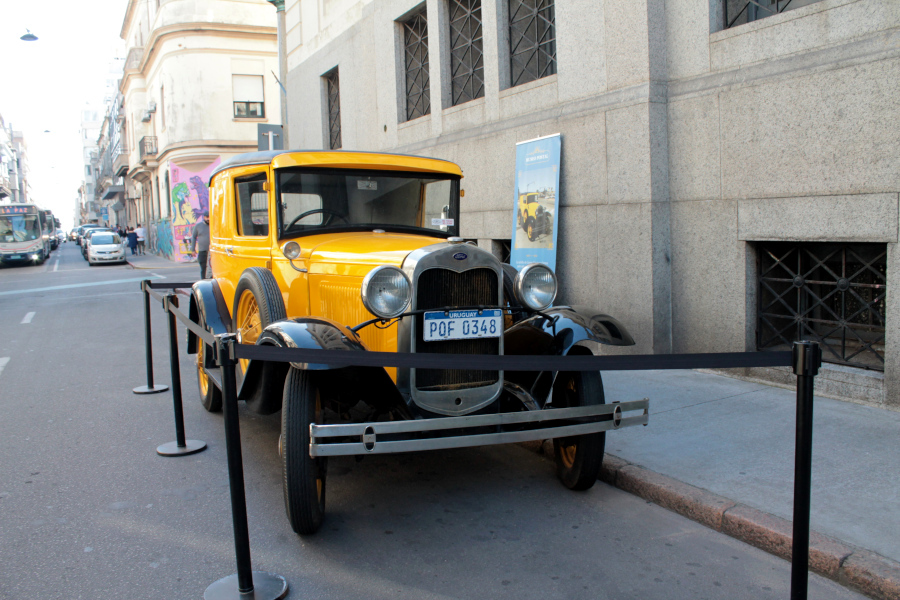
(460, 256)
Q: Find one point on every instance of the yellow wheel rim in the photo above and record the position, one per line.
(202, 377)
(249, 326)
(530, 230)
(567, 454)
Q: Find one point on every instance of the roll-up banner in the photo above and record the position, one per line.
(536, 213)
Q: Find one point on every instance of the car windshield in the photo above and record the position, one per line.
(313, 200)
(19, 228)
(100, 239)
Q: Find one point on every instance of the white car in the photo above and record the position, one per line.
(105, 247)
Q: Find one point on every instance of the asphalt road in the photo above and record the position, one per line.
(89, 510)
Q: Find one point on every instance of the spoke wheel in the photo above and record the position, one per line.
(578, 458)
(303, 477)
(248, 324)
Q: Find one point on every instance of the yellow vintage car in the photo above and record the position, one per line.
(533, 217)
(361, 252)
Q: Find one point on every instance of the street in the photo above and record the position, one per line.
(89, 510)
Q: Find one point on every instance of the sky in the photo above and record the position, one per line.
(47, 83)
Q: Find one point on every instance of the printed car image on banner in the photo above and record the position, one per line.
(536, 213)
(190, 197)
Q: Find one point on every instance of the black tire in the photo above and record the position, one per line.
(530, 230)
(578, 458)
(303, 477)
(262, 285)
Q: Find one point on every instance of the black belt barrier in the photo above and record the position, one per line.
(805, 358)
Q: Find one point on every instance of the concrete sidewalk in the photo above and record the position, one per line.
(721, 451)
(152, 261)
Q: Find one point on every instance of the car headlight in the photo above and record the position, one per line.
(536, 286)
(386, 292)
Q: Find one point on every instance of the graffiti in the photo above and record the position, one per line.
(164, 241)
(199, 186)
(189, 198)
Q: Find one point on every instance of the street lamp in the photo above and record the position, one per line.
(29, 37)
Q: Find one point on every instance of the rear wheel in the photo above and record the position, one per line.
(210, 395)
(578, 458)
(303, 477)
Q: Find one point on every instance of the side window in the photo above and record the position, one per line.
(252, 205)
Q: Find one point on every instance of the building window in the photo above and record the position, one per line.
(739, 12)
(333, 90)
(466, 54)
(833, 294)
(415, 44)
(249, 102)
(532, 40)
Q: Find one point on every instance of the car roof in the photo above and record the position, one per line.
(345, 159)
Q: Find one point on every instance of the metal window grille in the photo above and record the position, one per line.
(830, 293)
(739, 12)
(334, 109)
(415, 42)
(532, 40)
(466, 53)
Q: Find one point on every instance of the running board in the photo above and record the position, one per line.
(323, 442)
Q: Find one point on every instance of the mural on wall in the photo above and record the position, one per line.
(190, 198)
(164, 242)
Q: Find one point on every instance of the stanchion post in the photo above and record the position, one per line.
(807, 360)
(245, 583)
(180, 447)
(148, 346)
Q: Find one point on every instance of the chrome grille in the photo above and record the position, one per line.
(439, 288)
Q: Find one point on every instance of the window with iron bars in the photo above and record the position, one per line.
(532, 40)
(415, 44)
(333, 89)
(739, 12)
(830, 293)
(466, 51)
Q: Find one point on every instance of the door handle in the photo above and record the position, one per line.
(229, 250)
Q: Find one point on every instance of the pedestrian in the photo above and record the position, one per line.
(200, 242)
(140, 238)
(132, 240)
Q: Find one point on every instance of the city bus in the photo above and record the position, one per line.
(23, 234)
(49, 227)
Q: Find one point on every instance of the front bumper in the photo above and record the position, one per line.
(476, 430)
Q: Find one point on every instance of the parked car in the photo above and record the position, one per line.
(84, 229)
(360, 252)
(86, 240)
(105, 247)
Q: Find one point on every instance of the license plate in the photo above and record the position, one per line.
(463, 324)
(15, 257)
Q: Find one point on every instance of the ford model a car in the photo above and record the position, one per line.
(360, 252)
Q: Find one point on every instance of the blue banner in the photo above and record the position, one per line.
(536, 214)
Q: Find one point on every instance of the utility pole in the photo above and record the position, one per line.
(282, 66)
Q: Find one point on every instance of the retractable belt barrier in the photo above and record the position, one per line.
(805, 358)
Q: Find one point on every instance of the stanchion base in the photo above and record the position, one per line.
(173, 449)
(266, 586)
(144, 389)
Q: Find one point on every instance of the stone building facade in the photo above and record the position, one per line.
(728, 182)
(198, 79)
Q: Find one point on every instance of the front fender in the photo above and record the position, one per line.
(207, 306)
(558, 329)
(311, 333)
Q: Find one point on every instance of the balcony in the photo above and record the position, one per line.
(120, 162)
(133, 60)
(148, 147)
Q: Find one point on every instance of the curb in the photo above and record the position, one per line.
(856, 568)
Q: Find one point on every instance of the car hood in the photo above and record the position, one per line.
(366, 248)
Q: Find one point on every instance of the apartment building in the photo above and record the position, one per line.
(198, 81)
